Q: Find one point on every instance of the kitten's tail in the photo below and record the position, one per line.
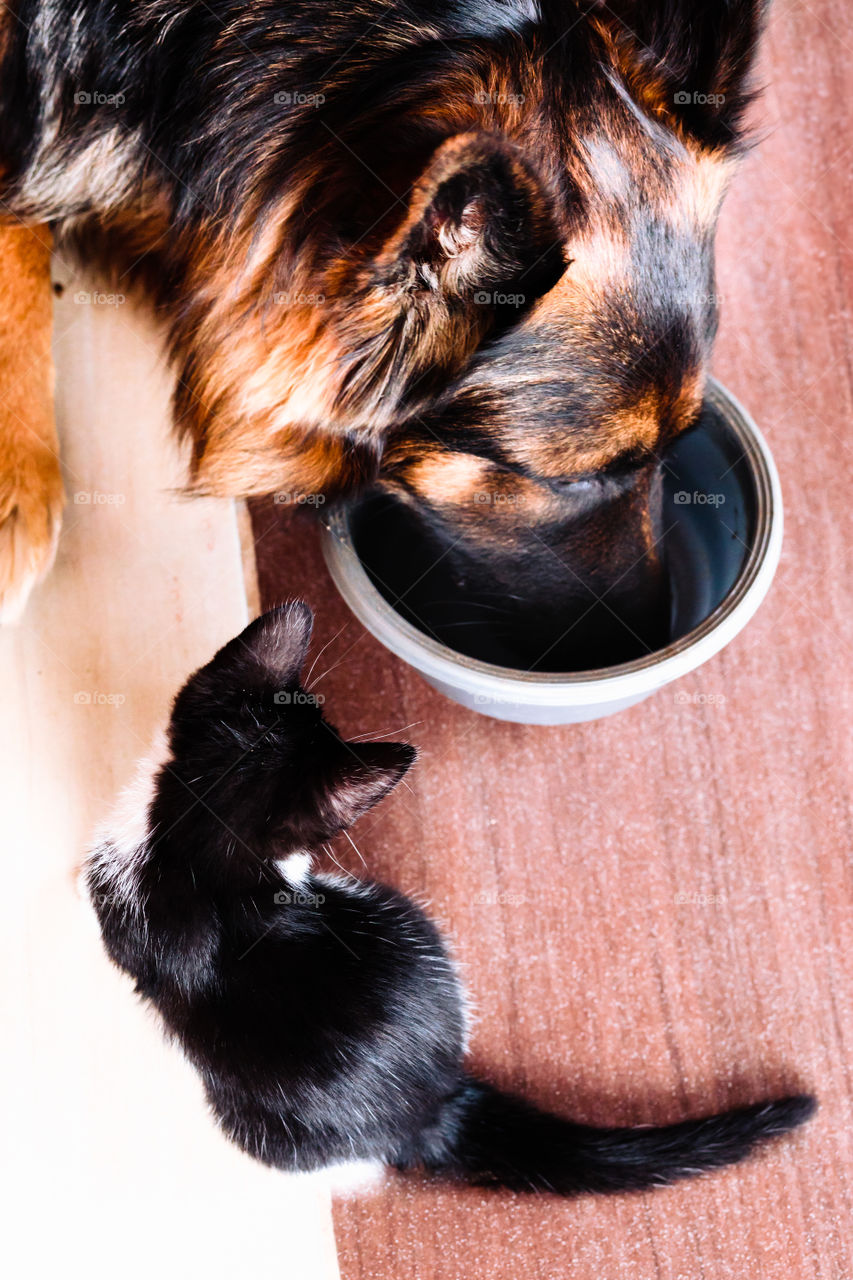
(492, 1138)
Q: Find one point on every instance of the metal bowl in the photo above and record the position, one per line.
(725, 509)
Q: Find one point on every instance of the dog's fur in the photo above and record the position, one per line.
(462, 246)
(325, 1015)
(30, 480)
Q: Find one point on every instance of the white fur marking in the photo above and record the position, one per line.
(121, 842)
(346, 883)
(349, 1178)
(296, 868)
(103, 174)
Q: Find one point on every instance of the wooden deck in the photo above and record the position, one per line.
(655, 913)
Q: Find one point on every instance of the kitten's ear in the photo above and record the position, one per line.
(366, 774)
(278, 641)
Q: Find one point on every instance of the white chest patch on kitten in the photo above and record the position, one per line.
(296, 868)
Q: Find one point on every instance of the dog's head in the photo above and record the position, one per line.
(537, 474)
(537, 471)
(515, 334)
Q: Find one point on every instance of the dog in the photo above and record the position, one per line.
(461, 250)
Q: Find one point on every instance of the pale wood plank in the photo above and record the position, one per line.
(110, 1155)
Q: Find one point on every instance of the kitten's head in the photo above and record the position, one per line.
(252, 745)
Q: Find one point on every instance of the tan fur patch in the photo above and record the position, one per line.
(485, 500)
(697, 193)
(31, 496)
(449, 478)
(598, 259)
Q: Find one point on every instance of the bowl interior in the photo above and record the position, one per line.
(710, 513)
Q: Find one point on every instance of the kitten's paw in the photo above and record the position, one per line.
(31, 502)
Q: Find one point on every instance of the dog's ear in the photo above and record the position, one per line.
(479, 244)
(686, 61)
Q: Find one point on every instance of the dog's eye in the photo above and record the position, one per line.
(572, 484)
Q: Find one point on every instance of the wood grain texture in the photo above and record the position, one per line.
(109, 1157)
(654, 912)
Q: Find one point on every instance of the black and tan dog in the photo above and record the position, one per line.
(464, 247)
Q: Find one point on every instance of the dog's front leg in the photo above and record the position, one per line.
(31, 496)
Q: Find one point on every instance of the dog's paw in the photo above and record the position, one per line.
(31, 502)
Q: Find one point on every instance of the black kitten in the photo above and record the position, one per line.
(324, 1015)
